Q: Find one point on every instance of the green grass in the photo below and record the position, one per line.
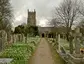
(20, 51)
(56, 56)
(63, 43)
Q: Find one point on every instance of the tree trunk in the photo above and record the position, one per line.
(67, 36)
(71, 47)
(68, 33)
(26, 39)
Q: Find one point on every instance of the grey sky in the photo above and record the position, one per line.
(43, 8)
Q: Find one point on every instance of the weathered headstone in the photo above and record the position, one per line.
(20, 37)
(26, 38)
(1, 44)
(5, 60)
(14, 38)
(77, 37)
(2, 39)
(9, 37)
(83, 40)
(17, 38)
(59, 42)
(23, 38)
(70, 42)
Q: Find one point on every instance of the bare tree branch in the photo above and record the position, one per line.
(68, 12)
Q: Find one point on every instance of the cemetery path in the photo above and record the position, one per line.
(43, 54)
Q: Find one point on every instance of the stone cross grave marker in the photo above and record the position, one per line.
(70, 42)
(77, 36)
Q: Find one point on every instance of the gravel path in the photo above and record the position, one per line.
(43, 54)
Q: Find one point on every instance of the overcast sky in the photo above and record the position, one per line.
(44, 9)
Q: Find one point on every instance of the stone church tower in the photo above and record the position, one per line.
(31, 20)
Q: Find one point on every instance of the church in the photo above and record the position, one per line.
(43, 31)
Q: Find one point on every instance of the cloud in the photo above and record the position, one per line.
(43, 8)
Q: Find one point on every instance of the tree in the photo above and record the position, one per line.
(31, 30)
(81, 25)
(5, 15)
(55, 22)
(81, 9)
(19, 29)
(67, 12)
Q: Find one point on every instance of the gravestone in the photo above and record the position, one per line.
(9, 37)
(11, 40)
(17, 37)
(1, 44)
(70, 42)
(83, 40)
(77, 40)
(26, 38)
(23, 37)
(5, 60)
(14, 38)
(2, 39)
(20, 37)
(59, 42)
